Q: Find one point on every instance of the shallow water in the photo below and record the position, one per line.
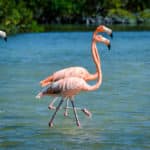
(120, 108)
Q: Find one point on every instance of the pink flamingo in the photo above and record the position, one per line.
(68, 87)
(75, 71)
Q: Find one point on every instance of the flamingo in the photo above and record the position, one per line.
(3, 35)
(68, 87)
(75, 71)
(84, 110)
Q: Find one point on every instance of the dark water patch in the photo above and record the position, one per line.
(11, 144)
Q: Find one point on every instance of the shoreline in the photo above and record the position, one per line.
(115, 27)
(77, 27)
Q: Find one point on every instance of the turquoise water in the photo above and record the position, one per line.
(120, 108)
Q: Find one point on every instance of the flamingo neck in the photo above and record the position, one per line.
(97, 61)
(93, 47)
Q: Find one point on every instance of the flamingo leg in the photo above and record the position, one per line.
(66, 108)
(84, 110)
(51, 104)
(75, 113)
(54, 114)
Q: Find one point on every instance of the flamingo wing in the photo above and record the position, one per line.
(67, 72)
(66, 87)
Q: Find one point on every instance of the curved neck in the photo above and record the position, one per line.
(93, 47)
(97, 61)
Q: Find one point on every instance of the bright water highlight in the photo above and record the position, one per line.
(120, 108)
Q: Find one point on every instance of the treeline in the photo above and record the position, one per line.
(35, 15)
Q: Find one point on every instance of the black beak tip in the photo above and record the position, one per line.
(5, 39)
(109, 47)
(111, 35)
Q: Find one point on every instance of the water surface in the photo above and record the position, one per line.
(120, 108)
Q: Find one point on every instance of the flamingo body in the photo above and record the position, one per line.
(67, 87)
(69, 72)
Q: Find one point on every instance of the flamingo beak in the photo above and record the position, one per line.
(109, 46)
(107, 42)
(111, 35)
(108, 31)
(5, 38)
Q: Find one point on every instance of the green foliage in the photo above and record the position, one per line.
(114, 4)
(145, 14)
(121, 13)
(31, 15)
(16, 17)
(63, 7)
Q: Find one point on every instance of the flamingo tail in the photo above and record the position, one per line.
(46, 81)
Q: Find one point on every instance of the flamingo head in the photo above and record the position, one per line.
(100, 38)
(103, 28)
